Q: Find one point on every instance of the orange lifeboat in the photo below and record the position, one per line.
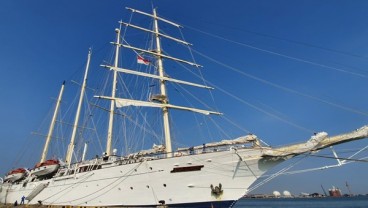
(15, 175)
(46, 168)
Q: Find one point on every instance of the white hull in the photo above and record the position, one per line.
(148, 182)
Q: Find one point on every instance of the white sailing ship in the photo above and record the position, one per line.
(210, 175)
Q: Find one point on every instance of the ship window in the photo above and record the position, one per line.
(131, 188)
(164, 184)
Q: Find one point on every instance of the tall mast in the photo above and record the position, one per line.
(112, 104)
(52, 124)
(165, 110)
(69, 154)
(162, 102)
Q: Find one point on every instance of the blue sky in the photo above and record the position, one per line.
(298, 66)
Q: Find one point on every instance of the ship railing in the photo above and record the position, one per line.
(204, 149)
(101, 162)
(139, 157)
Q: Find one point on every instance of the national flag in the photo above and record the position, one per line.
(141, 60)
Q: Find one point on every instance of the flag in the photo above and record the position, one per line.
(141, 60)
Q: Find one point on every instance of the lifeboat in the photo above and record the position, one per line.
(45, 168)
(15, 175)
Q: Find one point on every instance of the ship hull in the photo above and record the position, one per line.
(178, 181)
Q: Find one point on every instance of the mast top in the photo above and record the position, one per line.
(155, 17)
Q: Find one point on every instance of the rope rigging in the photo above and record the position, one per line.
(323, 66)
(286, 89)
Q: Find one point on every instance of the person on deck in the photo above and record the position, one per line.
(22, 200)
(191, 150)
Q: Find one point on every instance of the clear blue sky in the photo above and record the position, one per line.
(302, 62)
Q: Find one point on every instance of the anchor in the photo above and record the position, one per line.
(217, 190)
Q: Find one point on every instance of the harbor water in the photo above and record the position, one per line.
(328, 202)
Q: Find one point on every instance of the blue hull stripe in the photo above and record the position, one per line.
(215, 204)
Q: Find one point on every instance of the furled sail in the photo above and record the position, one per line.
(120, 102)
(317, 142)
(299, 148)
